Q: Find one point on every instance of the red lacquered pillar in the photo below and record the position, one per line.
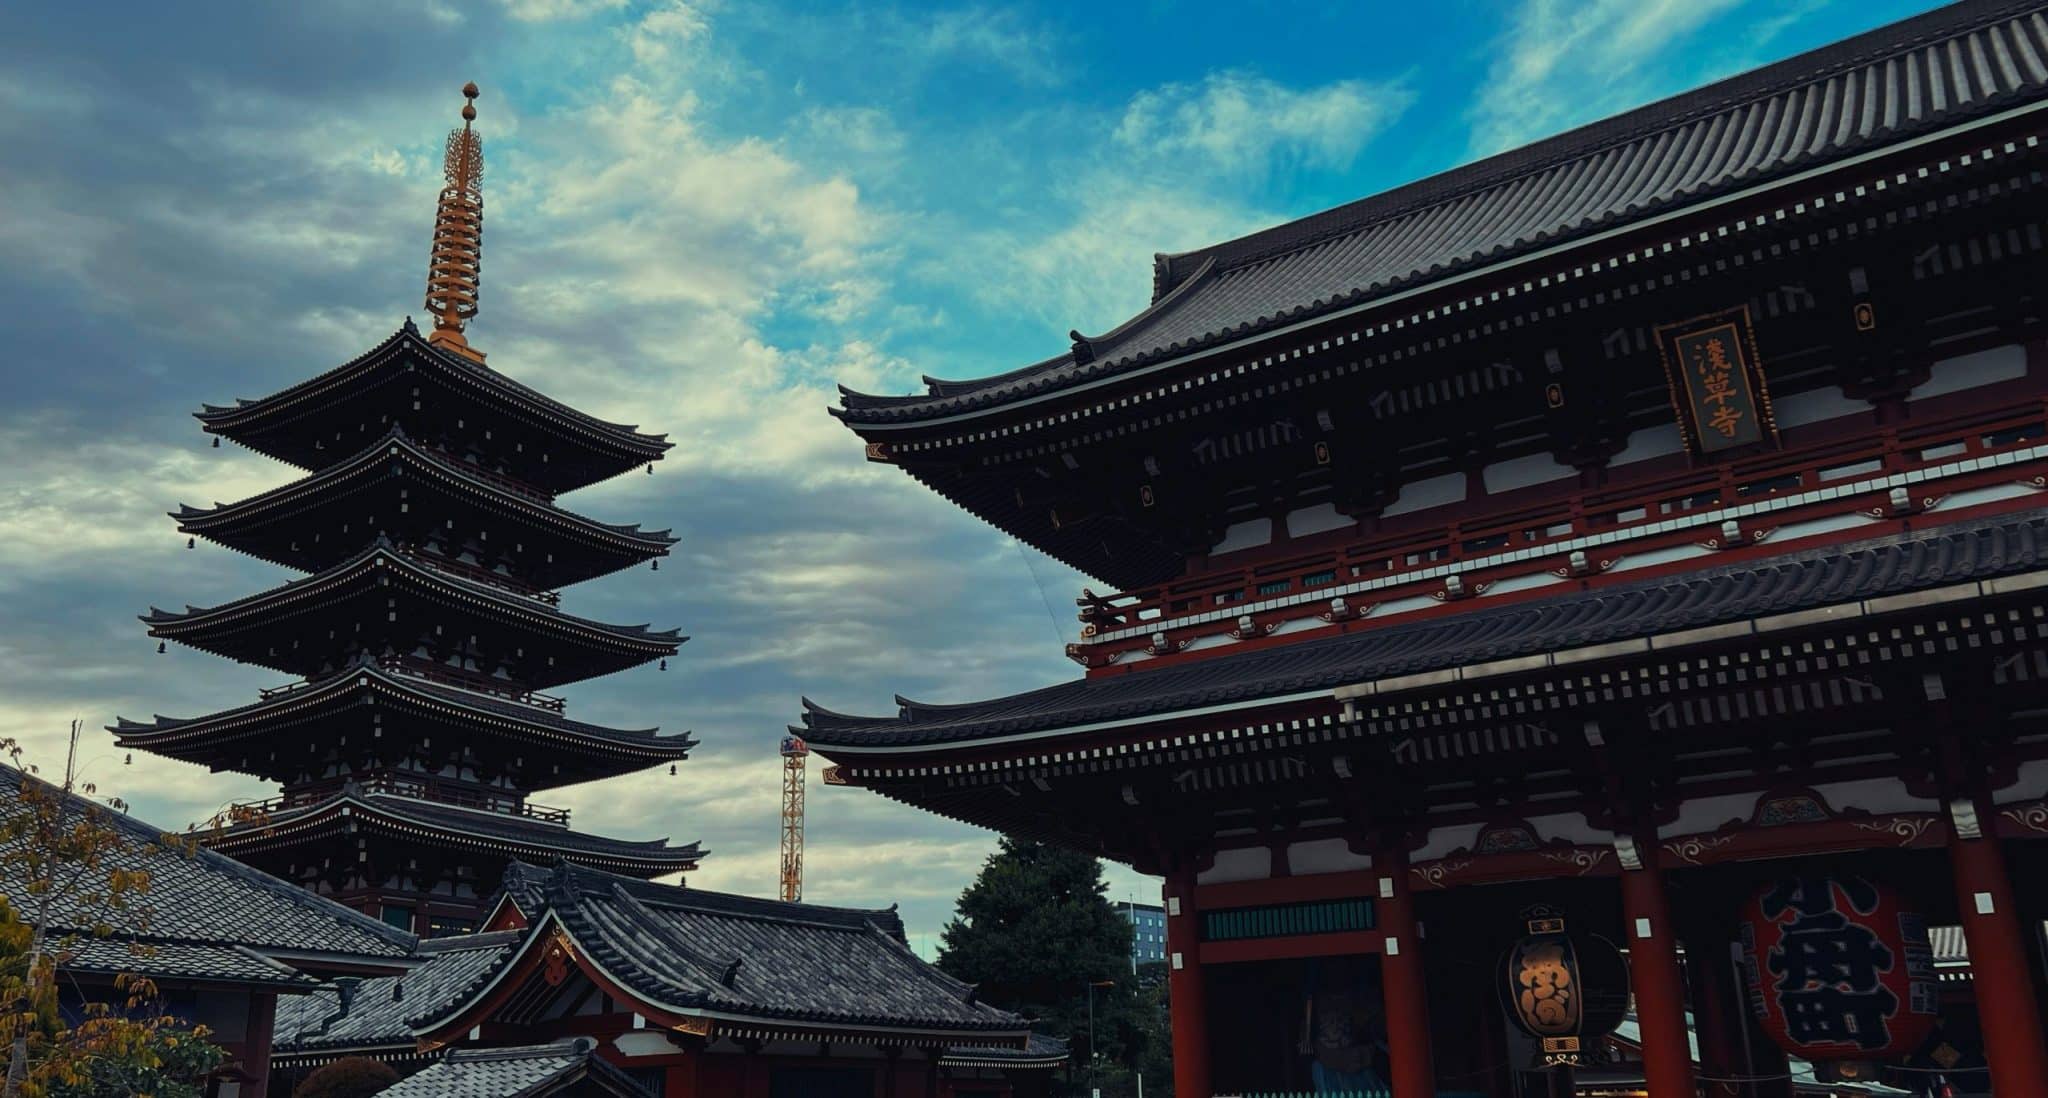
(1412, 1063)
(1655, 978)
(1189, 1005)
(2006, 1010)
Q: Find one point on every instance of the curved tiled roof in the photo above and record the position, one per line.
(198, 739)
(1961, 63)
(379, 465)
(203, 904)
(617, 447)
(497, 832)
(566, 1067)
(209, 627)
(377, 1011)
(1795, 581)
(788, 963)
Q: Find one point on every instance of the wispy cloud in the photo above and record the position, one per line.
(1243, 123)
(1564, 62)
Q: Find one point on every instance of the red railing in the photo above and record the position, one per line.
(418, 789)
(1551, 524)
(475, 574)
(474, 681)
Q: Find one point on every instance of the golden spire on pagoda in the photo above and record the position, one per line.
(454, 271)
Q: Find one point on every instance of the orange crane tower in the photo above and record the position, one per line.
(794, 754)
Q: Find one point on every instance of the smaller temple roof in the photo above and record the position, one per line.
(1951, 66)
(559, 547)
(352, 393)
(283, 611)
(1042, 1052)
(210, 918)
(424, 821)
(376, 1012)
(1833, 574)
(584, 751)
(741, 960)
(525, 1071)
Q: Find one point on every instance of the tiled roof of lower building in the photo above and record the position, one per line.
(199, 898)
(175, 962)
(690, 951)
(1041, 1052)
(1837, 574)
(528, 1071)
(376, 1012)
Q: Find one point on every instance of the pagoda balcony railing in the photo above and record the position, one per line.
(491, 476)
(1861, 472)
(441, 674)
(475, 682)
(477, 574)
(418, 789)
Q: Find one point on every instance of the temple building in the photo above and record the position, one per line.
(588, 979)
(1624, 558)
(428, 621)
(226, 947)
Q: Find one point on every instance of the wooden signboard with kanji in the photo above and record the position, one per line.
(1717, 382)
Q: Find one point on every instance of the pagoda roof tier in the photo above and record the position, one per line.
(405, 379)
(418, 823)
(382, 601)
(1939, 71)
(252, 739)
(1851, 577)
(411, 492)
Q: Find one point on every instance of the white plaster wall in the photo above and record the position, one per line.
(1816, 406)
(1987, 367)
(1666, 555)
(1708, 813)
(1443, 840)
(1650, 442)
(1421, 495)
(2031, 786)
(1877, 796)
(1523, 472)
(1245, 535)
(1572, 827)
(1252, 864)
(1324, 856)
(1321, 518)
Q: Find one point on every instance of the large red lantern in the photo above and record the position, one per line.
(1837, 970)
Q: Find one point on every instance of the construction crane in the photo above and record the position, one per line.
(795, 752)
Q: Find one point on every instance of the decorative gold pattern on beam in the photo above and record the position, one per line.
(455, 271)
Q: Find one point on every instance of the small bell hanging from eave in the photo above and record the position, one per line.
(159, 648)
(191, 542)
(650, 468)
(664, 665)
(657, 566)
(671, 770)
(216, 442)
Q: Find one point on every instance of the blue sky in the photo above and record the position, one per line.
(699, 218)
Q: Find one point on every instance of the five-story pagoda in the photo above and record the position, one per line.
(429, 621)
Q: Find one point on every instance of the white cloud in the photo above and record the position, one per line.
(548, 11)
(662, 29)
(1565, 62)
(1245, 124)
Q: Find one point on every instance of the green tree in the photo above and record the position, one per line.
(66, 883)
(1033, 932)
